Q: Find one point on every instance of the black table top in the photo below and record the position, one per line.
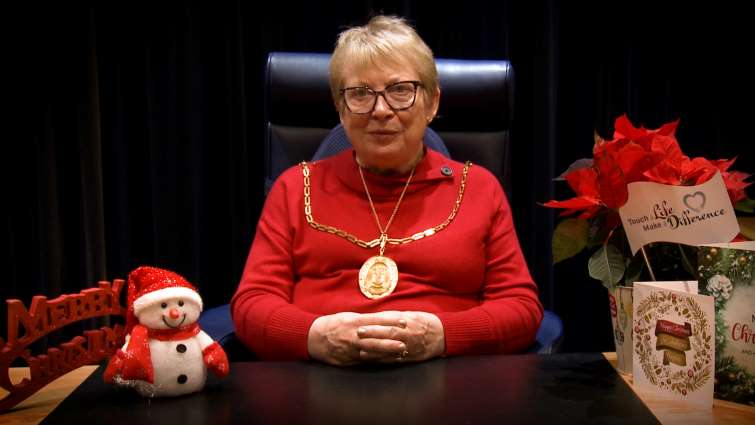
(520, 389)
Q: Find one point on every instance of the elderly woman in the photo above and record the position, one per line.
(388, 252)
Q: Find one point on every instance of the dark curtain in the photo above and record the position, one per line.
(138, 128)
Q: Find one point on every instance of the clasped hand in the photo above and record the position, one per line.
(387, 337)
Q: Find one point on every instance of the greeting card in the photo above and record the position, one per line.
(674, 340)
(621, 319)
(726, 274)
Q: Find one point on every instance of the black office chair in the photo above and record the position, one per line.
(473, 123)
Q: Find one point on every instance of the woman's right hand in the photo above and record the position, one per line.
(334, 338)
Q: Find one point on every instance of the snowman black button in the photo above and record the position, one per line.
(182, 379)
(181, 348)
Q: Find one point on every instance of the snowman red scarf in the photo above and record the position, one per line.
(135, 362)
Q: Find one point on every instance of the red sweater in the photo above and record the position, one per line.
(472, 274)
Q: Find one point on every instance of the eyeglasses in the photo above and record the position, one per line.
(398, 96)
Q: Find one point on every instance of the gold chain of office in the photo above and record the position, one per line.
(375, 242)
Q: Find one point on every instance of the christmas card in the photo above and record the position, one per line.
(726, 274)
(621, 319)
(673, 341)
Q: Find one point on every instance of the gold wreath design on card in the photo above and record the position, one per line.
(681, 357)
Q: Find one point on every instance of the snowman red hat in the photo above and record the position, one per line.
(150, 285)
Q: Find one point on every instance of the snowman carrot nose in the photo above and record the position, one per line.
(173, 313)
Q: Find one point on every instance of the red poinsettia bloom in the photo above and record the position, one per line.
(635, 155)
(584, 182)
(736, 185)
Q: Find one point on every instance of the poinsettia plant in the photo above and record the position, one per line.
(600, 183)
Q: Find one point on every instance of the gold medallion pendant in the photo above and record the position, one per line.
(378, 277)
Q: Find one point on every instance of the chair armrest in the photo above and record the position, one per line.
(549, 335)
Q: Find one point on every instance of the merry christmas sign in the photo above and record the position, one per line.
(726, 274)
(44, 316)
(691, 215)
(674, 341)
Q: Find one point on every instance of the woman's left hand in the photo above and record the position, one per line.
(422, 334)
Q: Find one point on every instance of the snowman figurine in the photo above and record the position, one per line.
(166, 353)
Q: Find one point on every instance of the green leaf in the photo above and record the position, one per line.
(569, 238)
(576, 165)
(607, 265)
(745, 205)
(747, 226)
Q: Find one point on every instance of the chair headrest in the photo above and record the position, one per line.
(298, 93)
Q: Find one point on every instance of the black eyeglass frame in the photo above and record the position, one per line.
(376, 93)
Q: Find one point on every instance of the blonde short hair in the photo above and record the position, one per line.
(385, 39)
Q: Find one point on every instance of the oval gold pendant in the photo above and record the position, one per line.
(378, 277)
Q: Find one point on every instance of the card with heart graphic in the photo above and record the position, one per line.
(692, 215)
(694, 201)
